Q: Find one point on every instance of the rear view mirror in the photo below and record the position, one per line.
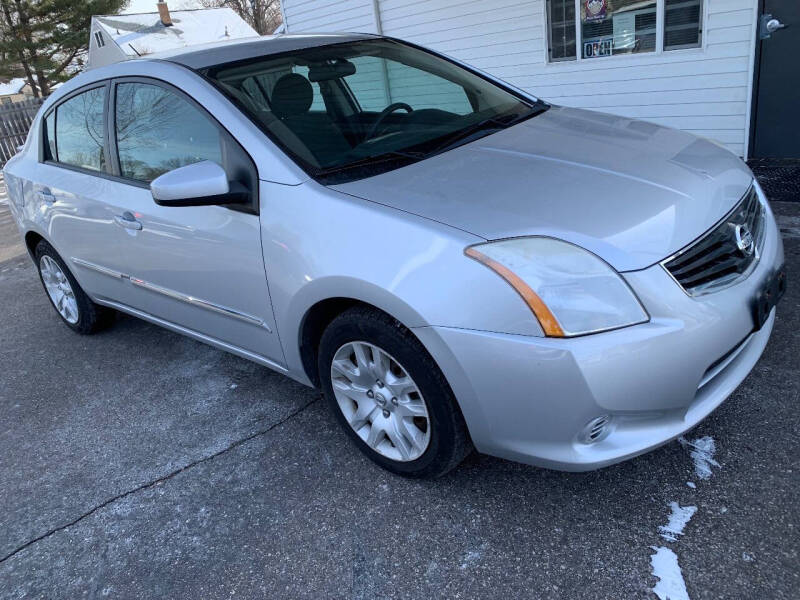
(327, 71)
(200, 184)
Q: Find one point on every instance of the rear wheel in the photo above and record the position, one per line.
(69, 300)
(390, 396)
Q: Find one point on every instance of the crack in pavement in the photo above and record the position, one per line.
(161, 479)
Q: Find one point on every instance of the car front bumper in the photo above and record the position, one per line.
(529, 399)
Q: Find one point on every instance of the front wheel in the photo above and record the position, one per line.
(390, 396)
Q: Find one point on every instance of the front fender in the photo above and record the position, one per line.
(320, 244)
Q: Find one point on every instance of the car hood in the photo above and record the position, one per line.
(630, 191)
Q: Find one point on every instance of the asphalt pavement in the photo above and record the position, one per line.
(140, 464)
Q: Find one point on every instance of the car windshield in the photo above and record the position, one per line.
(350, 110)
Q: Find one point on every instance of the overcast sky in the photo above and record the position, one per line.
(140, 6)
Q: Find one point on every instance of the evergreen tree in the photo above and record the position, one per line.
(45, 41)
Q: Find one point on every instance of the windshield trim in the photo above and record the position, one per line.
(330, 176)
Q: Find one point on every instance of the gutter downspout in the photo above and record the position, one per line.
(376, 15)
(283, 16)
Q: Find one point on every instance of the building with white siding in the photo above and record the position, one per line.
(697, 65)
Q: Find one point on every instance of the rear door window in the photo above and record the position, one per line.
(80, 131)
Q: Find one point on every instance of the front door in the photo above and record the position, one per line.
(198, 267)
(777, 95)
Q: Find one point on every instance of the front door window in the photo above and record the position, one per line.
(158, 131)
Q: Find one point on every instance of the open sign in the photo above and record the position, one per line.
(596, 48)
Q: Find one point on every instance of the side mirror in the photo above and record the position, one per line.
(200, 184)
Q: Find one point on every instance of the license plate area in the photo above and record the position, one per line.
(768, 296)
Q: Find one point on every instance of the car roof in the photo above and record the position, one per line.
(215, 53)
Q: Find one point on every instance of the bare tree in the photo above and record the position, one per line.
(262, 15)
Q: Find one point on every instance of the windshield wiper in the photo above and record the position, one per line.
(372, 160)
(497, 123)
(450, 141)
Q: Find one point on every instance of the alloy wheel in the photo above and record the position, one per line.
(59, 289)
(380, 401)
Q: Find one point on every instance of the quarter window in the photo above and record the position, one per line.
(50, 134)
(157, 131)
(612, 27)
(79, 131)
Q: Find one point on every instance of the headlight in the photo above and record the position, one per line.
(570, 290)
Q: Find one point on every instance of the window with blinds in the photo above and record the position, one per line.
(561, 29)
(683, 24)
(623, 27)
(612, 27)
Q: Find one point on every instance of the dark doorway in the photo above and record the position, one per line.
(775, 131)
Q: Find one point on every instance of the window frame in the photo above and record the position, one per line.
(660, 51)
(112, 170)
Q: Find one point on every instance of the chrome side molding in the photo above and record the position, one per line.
(201, 337)
(218, 308)
(98, 268)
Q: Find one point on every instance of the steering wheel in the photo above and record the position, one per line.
(385, 113)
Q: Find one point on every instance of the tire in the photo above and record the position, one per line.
(90, 317)
(444, 434)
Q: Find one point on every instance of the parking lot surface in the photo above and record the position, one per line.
(140, 464)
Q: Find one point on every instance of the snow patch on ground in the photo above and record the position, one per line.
(691, 484)
(702, 452)
(473, 556)
(670, 584)
(677, 521)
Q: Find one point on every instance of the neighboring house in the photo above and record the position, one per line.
(115, 38)
(14, 91)
(704, 66)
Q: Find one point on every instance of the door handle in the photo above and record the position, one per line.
(128, 221)
(769, 25)
(47, 197)
(773, 25)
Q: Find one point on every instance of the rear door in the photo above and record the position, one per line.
(71, 189)
(198, 267)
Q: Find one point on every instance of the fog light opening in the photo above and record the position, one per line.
(596, 430)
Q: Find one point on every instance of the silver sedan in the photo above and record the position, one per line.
(454, 262)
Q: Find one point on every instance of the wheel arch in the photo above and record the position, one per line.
(32, 239)
(314, 323)
(316, 320)
(325, 299)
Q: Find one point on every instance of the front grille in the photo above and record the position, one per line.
(722, 256)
